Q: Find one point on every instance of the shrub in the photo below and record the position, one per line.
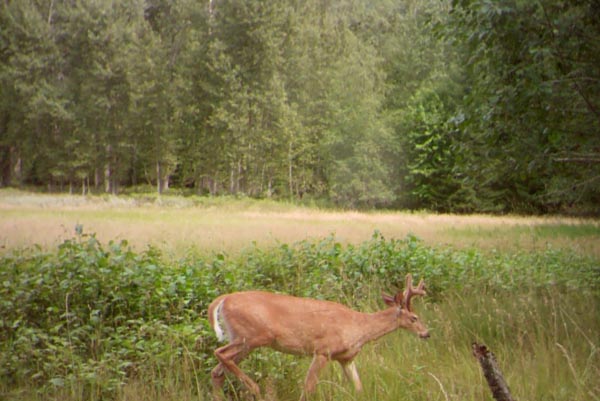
(93, 316)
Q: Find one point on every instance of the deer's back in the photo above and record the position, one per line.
(290, 324)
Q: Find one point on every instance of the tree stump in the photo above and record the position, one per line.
(492, 372)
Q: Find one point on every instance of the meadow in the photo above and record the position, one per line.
(177, 224)
(116, 309)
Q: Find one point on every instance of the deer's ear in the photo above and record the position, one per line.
(388, 299)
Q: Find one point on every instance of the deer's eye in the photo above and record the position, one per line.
(413, 319)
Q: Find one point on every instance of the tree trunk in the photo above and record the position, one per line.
(5, 156)
(231, 179)
(159, 182)
(492, 373)
(213, 185)
(107, 178)
(107, 170)
(97, 178)
(290, 172)
(239, 176)
(18, 169)
(270, 188)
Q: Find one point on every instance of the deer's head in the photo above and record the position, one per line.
(407, 319)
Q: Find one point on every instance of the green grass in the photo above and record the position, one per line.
(568, 231)
(539, 231)
(543, 353)
(547, 349)
(99, 321)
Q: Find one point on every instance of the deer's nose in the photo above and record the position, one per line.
(424, 335)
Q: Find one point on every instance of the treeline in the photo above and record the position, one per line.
(462, 105)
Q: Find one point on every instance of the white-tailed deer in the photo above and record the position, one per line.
(303, 326)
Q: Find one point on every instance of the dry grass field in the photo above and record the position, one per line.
(175, 224)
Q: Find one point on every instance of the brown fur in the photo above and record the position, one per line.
(302, 326)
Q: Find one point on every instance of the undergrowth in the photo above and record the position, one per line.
(93, 321)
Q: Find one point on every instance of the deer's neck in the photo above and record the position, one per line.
(378, 324)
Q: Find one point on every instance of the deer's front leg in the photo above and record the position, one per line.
(352, 374)
(312, 376)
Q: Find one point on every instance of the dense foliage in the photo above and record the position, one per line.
(95, 317)
(454, 105)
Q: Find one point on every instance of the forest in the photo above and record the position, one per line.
(445, 105)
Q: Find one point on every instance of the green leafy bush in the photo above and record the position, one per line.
(93, 317)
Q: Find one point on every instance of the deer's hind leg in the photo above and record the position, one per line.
(312, 376)
(217, 377)
(229, 356)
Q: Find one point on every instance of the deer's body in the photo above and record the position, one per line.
(302, 326)
(280, 322)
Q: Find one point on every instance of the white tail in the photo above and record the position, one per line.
(302, 326)
(215, 321)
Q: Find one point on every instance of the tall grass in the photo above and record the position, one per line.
(99, 322)
(545, 341)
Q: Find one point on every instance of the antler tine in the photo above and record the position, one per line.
(408, 284)
(407, 292)
(410, 291)
(420, 290)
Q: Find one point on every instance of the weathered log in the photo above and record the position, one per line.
(492, 372)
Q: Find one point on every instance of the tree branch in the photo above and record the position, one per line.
(578, 158)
